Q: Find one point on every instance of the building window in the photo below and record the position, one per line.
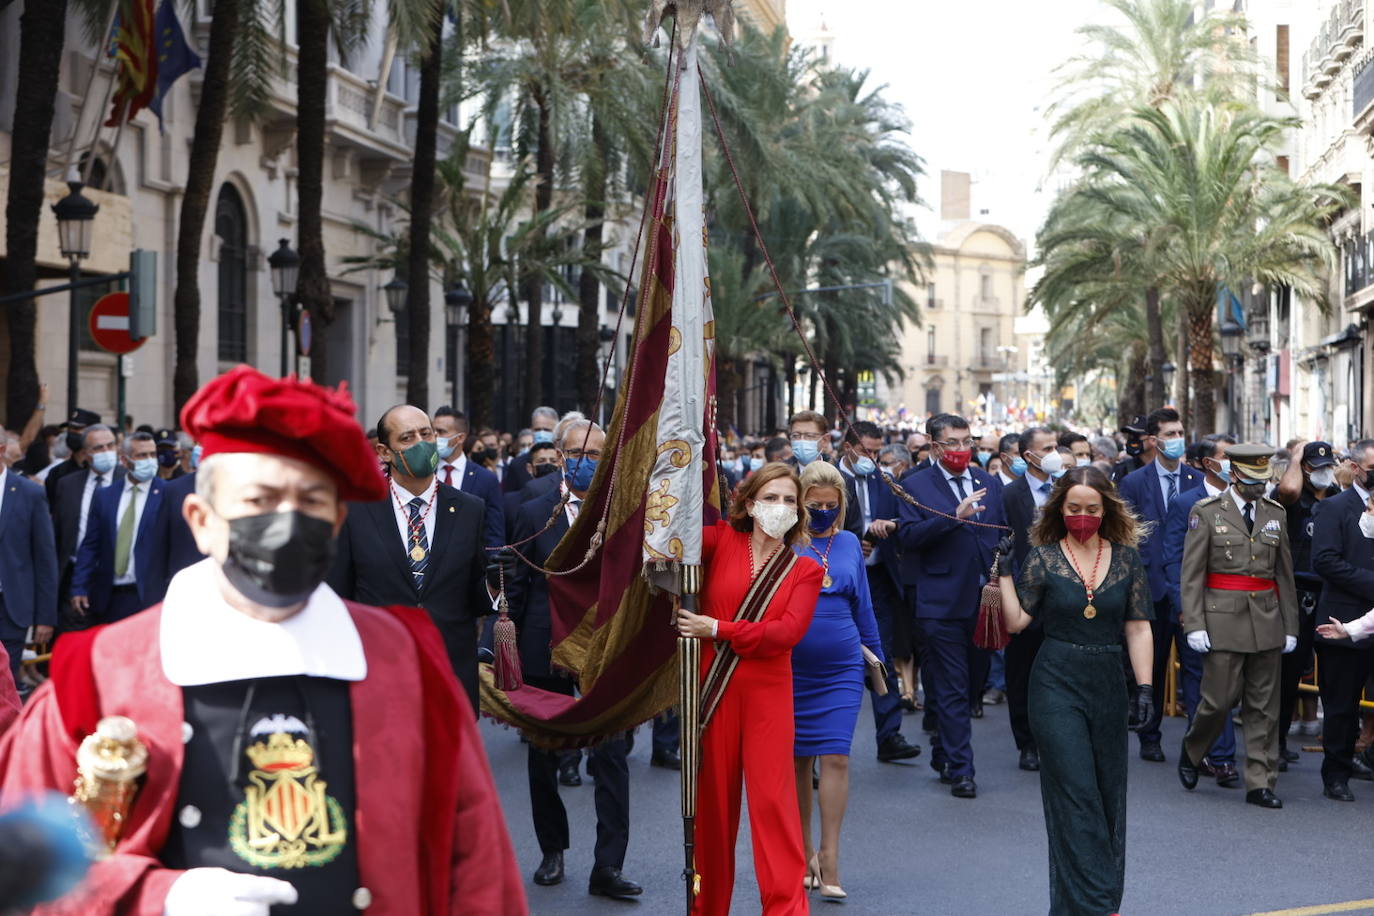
(985, 345)
(231, 227)
(930, 345)
(930, 295)
(402, 343)
(932, 401)
(985, 286)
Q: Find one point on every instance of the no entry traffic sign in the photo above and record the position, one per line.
(109, 323)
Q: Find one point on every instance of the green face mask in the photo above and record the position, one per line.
(419, 460)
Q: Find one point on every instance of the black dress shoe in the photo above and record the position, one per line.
(1338, 790)
(607, 881)
(964, 787)
(1030, 760)
(1360, 770)
(568, 770)
(1290, 756)
(945, 776)
(1228, 777)
(550, 871)
(1264, 798)
(896, 747)
(1151, 751)
(669, 760)
(976, 711)
(1283, 765)
(1187, 770)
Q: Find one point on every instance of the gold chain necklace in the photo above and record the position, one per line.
(826, 581)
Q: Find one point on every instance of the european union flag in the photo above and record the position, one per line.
(174, 55)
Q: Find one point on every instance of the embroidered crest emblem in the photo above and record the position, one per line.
(1192, 522)
(287, 819)
(1273, 525)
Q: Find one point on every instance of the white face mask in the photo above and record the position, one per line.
(1367, 525)
(1322, 478)
(1052, 463)
(776, 519)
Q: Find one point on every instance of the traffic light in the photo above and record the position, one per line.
(142, 293)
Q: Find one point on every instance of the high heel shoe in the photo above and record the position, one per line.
(828, 891)
(813, 874)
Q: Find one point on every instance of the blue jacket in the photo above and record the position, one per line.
(883, 504)
(1171, 534)
(950, 559)
(1140, 489)
(173, 531)
(478, 481)
(28, 555)
(94, 573)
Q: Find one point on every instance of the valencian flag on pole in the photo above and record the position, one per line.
(174, 56)
(136, 61)
(655, 488)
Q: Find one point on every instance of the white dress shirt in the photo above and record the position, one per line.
(1241, 503)
(966, 477)
(1211, 490)
(140, 500)
(400, 507)
(458, 467)
(93, 480)
(574, 505)
(205, 641)
(865, 506)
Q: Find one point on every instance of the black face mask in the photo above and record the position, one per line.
(76, 442)
(279, 558)
(543, 470)
(1134, 448)
(1250, 491)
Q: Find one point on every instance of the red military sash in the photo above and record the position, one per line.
(751, 610)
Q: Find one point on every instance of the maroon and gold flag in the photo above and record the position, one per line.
(136, 55)
(612, 576)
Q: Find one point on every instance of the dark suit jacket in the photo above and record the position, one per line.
(372, 567)
(528, 590)
(517, 474)
(883, 505)
(1172, 534)
(1140, 489)
(66, 513)
(94, 573)
(948, 558)
(1021, 511)
(28, 559)
(173, 531)
(1344, 558)
(483, 484)
(58, 474)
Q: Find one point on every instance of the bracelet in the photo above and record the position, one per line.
(40, 407)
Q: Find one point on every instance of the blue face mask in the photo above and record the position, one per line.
(805, 451)
(755, 463)
(442, 444)
(143, 469)
(822, 519)
(1018, 466)
(984, 458)
(543, 435)
(579, 473)
(1224, 472)
(864, 466)
(1059, 473)
(196, 452)
(1173, 449)
(103, 462)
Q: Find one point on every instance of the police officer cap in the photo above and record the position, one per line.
(1318, 455)
(81, 418)
(1135, 428)
(1251, 461)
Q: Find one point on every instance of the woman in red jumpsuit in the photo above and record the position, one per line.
(749, 739)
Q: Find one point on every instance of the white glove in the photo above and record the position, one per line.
(1199, 642)
(1289, 644)
(220, 892)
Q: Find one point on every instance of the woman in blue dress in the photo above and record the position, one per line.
(828, 670)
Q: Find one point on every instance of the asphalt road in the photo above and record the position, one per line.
(909, 847)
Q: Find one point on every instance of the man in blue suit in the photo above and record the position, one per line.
(116, 571)
(1150, 491)
(451, 430)
(28, 565)
(875, 509)
(181, 550)
(951, 559)
(1220, 761)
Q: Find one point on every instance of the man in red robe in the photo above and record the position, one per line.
(302, 750)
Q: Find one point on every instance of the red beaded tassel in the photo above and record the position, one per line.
(991, 630)
(506, 670)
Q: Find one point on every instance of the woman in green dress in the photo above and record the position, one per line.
(1084, 581)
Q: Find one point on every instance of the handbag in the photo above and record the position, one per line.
(876, 671)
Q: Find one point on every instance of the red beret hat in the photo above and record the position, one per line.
(246, 411)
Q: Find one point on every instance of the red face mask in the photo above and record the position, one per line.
(1083, 527)
(956, 462)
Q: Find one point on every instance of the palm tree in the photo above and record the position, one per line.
(41, 29)
(1213, 210)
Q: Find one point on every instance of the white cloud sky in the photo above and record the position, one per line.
(974, 77)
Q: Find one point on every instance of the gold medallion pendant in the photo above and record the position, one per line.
(826, 581)
(1090, 612)
(286, 819)
(417, 553)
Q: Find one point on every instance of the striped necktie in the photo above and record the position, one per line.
(417, 544)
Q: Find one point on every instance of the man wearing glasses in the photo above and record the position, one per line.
(950, 559)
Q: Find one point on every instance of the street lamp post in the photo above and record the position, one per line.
(1231, 333)
(1167, 371)
(286, 268)
(456, 303)
(74, 213)
(395, 290)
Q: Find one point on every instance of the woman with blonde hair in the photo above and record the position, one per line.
(1084, 581)
(756, 603)
(828, 670)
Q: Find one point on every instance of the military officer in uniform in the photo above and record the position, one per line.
(1241, 609)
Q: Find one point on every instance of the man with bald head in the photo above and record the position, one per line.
(422, 546)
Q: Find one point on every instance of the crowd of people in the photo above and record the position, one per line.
(849, 561)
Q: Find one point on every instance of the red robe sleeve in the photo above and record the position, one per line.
(9, 696)
(778, 633)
